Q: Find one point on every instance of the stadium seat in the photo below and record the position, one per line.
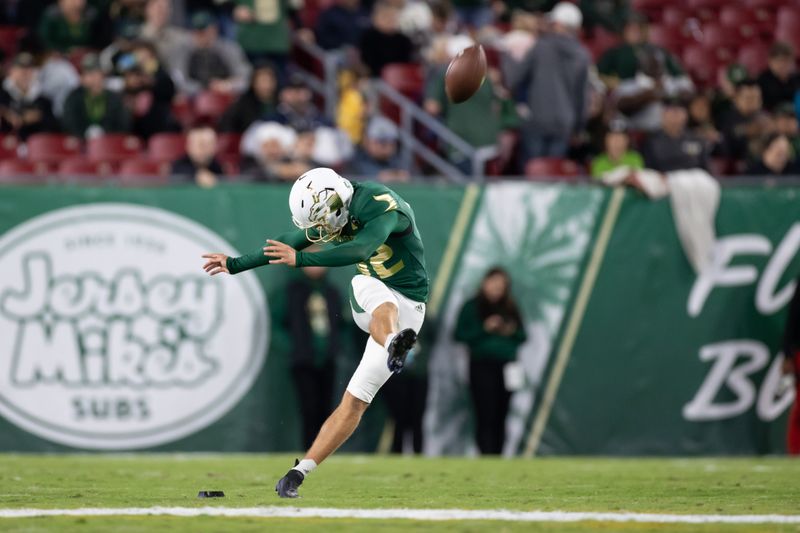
(210, 105)
(182, 110)
(8, 147)
(76, 55)
(764, 4)
(788, 35)
(669, 37)
(673, 16)
(705, 10)
(740, 20)
(702, 64)
(720, 39)
(52, 148)
(113, 147)
(407, 78)
(14, 167)
(789, 17)
(552, 167)
(601, 41)
(754, 57)
(78, 167)
(166, 146)
(144, 171)
(9, 39)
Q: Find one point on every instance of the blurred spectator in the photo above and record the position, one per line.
(485, 103)
(200, 165)
(258, 101)
(23, 109)
(68, 24)
(122, 45)
(554, 77)
(491, 326)
(779, 82)
(269, 150)
(742, 124)
(296, 108)
(341, 24)
(57, 78)
(522, 37)
(701, 122)
(727, 81)
(673, 147)
(791, 368)
(382, 43)
(169, 40)
(622, 62)
(148, 90)
(378, 157)
(786, 124)
(352, 108)
(263, 30)
(639, 97)
(210, 62)
(91, 109)
(617, 151)
(608, 14)
(777, 159)
(474, 14)
(314, 322)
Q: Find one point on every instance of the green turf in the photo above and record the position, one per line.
(683, 486)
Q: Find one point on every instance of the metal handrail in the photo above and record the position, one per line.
(327, 87)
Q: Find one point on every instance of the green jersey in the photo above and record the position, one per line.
(381, 238)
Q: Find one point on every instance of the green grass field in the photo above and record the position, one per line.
(672, 486)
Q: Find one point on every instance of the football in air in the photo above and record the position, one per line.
(465, 74)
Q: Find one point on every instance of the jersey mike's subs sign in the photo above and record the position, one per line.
(111, 337)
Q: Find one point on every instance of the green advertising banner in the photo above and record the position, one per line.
(669, 362)
(112, 337)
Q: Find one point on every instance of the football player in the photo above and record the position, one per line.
(370, 226)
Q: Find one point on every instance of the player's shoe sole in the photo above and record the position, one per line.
(398, 350)
(287, 485)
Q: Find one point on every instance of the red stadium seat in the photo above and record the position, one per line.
(702, 64)
(720, 39)
(13, 167)
(8, 147)
(674, 16)
(52, 148)
(706, 9)
(754, 57)
(601, 41)
(9, 39)
(789, 17)
(113, 147)
(788, 35)
(166, 146)
(552, 167)
(144, 167)
(228, 144)
(182, 110)
(764, 4)
(210, 105)
(83, 167)
(407, 78)
(669, 37)
(740, 20)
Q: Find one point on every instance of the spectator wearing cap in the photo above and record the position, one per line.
(777, 159)
(639, 98)
(122, 45)
(622, 62)
(200, 165)
(91, 109)
(210, 63)
(554, 77)
(673, 147)
(148, 91)
(744, 122)
(24, 110)
(269, 150)
(378, 157)
(69, 24)
(258, 101)
(617, 151)
(296, 108)
(341, 25)
(779, 82)
(383, 43)
(496, 112)
(169, 40)
(786, 124)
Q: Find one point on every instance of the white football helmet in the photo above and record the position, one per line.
(320, 200)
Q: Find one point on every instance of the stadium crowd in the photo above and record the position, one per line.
(201, 89)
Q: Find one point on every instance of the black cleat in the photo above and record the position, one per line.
(398, 349)
(287, 486)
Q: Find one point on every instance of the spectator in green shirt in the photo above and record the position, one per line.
(617, 151)
(68, 24)
(91, 109)
(264, 32)
(491, 326)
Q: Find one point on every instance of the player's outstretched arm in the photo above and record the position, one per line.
(218, 263)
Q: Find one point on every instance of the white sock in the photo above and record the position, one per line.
(389, 338)
(305, 466)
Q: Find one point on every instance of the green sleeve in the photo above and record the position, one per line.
(468, 327)
(296, 239)
(372, 235)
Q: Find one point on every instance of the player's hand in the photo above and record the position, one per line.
(216, 264)
(283, 253)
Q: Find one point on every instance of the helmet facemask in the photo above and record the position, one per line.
(328, 216)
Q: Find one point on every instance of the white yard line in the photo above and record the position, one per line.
(408, 514)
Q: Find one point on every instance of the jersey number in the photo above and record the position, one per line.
(381, 255)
